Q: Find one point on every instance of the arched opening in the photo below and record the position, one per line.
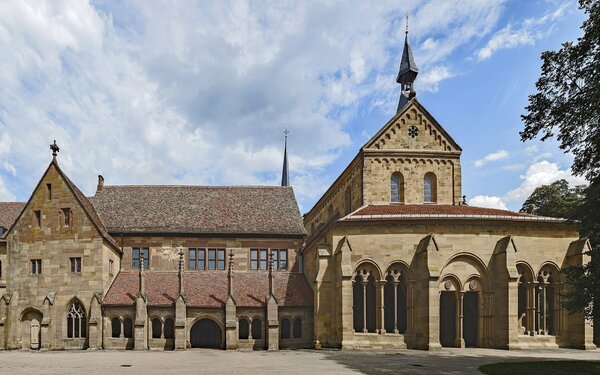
(297, 328)
(128, 328)
(547, 308)
(30, 329)
(395, 313)
(243, 329)
(285, 328)
(525, 299)
(156, 328)
(115, 325)
(448, 318)
(365, 298)
(430, 188)
(169, 329)
(206, 333)
(76, 321)
(397, 188)
(257, 329)
(470, 318)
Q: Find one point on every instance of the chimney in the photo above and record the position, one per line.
(100, 183)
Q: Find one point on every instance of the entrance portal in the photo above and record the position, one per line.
(471, 315)
(205, 333)
(448, 318)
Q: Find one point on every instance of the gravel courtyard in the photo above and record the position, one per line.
(448, 361)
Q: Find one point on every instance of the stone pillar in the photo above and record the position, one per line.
(140, 334)
(272, 324)
(95, 323)
(396, 308)
(460, 342)
(364, 284)
(380, 285)
(231, 337)
(180, 324)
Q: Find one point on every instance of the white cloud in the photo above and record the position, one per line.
(5, 194)
(538, 174)
(431, 79)
(498, 155)
(488, 202)
(527, 33)
(530, 150)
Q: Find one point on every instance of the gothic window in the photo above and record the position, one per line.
(141, 253)
(76, 322)
(256, 328)
(128, 328)
(115, 325)
(285, 328)
(169, 329)
(430, 188)
(243, 329)
(297, 328)
(156, 328)
(413, 131)
(397, 188)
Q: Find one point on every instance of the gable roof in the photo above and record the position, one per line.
(199, 209)
(9, 211)
(401, 113)
(209, 288)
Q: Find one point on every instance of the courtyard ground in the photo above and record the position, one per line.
(447, 361)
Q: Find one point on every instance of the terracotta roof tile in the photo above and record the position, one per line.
(199, 209)
(9, 211)
(250, 289)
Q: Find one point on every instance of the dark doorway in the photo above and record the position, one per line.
(470, 318)
(448, 319)
(205, 333)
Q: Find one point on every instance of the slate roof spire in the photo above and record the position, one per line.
(285, 178)
(407, 73)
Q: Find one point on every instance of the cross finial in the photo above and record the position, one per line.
(286, 132)
(406, 15)
(55, 149)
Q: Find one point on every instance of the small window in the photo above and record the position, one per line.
(397, 188)
(36, 266)
(111, 266)
(66, 217)
(263, 259)
(201, 259)
(253, 259)
(285, 328)
(128, 328)
(256, 329)
(142, 253)
(192, 259)
(275, 258)
(348, 200)
(283, 259)
(169, 329)
(75, 264)
(244, 329)
(156, 328)
(115, 325)
(49, 192)
(38, 218)
(429, 188)
(297, 328)
(212, 259)
(221, 259)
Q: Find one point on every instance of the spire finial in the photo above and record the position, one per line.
(407, 73)
(181, 262)
(285, 178)
(406, 31)
(55, 149)
(229, 273)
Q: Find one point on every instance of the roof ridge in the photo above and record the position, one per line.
(198, 186)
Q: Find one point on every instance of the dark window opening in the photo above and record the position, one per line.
(256, 329)
(75, 264)
(141, 253)
(115, 324)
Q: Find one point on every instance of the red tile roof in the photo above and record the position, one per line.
(438, 212)
(199, 209)
(250, 289)
(9, 211)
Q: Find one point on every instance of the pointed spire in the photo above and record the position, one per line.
(141, 273)
(181, 270)
(407, 73)
(285, 178)
(270, 259)
(229, 273)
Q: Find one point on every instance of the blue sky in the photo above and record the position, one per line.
(200, 92)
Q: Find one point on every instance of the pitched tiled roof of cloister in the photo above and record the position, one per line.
(439, 212)
(209, 288)
(9, 211)
(199, 209)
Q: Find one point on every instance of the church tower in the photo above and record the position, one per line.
(407, 73)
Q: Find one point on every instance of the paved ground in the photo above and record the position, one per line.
(448, 361)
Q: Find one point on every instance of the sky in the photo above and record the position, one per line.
(200, 92)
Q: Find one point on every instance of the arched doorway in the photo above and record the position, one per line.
(206, 333)
(31, 330)
(471, 318)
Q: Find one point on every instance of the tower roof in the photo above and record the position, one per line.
(285, 177)
(408, 68)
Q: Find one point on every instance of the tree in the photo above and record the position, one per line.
(555, 200)
(566, 104)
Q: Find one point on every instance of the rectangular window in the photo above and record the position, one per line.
(212, 259)
(75, 264)
(49, 191)
(111, 267)
(348, 200)
(220, 259)
(201, 259)
(283, 259)
(253, 259)
(66, 217)
(38, 218)
(263, 259)
(141, 253)
(192, 259)
(275, 258)
(36, 266)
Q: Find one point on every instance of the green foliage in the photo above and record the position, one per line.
(554, 200)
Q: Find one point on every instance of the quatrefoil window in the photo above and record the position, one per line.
(413, 131)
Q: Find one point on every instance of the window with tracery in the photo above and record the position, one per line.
(76, 322)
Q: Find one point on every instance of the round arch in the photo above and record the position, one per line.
(368, 266)
(473, 260)
(206, 332)
(399, 265)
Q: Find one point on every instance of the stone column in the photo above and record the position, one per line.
(381, 306)
(396, 307)
(140, 341)
(364, 284)
(180, 324)
(231, 337)
(460, 342)
(272, 324)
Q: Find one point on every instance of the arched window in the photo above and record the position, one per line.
(297, 328)
(128, 328)
(364, 298)
(394, 297)
(244, 329)
(397, 188)
(169, 329)
(156, 328)
(76, 322)
(256, 329)
(430, 188)
(285, 328)
(115, 325)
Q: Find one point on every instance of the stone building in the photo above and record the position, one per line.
(390, 256)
